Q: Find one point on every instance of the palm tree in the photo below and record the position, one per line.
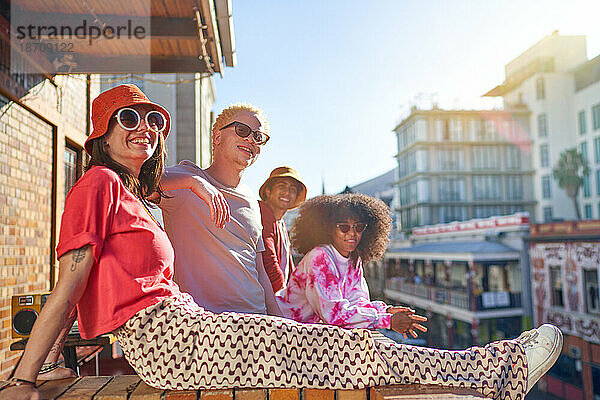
(569, 172)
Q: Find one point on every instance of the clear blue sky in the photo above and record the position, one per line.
(334, 77)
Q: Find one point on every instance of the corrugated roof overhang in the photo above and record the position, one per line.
(182, 36)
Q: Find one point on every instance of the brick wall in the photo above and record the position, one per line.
(27, 178)
(25, 212)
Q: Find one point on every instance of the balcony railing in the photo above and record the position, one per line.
(457, 298)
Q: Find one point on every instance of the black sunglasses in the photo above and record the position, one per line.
(345, 227)
(243, 130)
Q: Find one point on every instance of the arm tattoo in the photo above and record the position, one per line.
(68, 319)
(78, 256)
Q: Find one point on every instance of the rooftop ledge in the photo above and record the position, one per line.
(130, 387)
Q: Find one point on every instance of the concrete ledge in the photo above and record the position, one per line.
(130, 387)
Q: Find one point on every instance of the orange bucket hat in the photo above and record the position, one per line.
(109, 101)
(285, 172)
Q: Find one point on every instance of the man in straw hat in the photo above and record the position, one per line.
(282, 191)
(217, 236)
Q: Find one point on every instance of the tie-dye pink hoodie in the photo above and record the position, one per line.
(328, 288)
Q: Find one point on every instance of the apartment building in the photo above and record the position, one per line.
(560, 87)
(455, 165)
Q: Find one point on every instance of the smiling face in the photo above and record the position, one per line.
(234, 149)
(281, 195)
(131, 148)
(346, 243)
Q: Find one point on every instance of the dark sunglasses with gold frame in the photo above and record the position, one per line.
(243, 130)
(345, 227)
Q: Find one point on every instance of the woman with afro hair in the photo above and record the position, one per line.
(338, 234)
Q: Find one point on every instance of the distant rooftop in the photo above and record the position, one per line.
(381, 187)
(487, 114)
(553, 53)
(587, 73)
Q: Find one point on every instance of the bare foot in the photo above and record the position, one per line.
(58, 373)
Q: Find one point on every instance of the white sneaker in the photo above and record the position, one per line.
(542, 347)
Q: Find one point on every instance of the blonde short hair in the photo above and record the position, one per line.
(225, 116)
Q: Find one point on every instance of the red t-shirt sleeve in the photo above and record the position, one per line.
(269, 255)
(89, 211)
(270, 260)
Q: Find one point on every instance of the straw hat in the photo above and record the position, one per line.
(285, 172)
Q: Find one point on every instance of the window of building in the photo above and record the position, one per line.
(414, 191)
(476, 131)
(544, 157)
(424, 215)
(546, 187)
(450, 159)
(542, 120)
(591, 291)
(556, 286)
(451, 189)
(587, 189)
(515, 208)
(512, 157)
(509, 130)
(420, 130)
(568, 370)
(422, 160)
(486, 157)
(587, 211)
(581, 121)
(513, 276)
(452, 213)
(598, 181)
(440, 129)
(596, 116)
(583, 150)
(73, 165)
(548, 213)
(514, 187)
(491, 130)
(423, 190)
(456, 130)
(487, 211)
(487, 187)
(540, 89)
(597, 150)
(407, 163)
(400, 140)
(596, 381)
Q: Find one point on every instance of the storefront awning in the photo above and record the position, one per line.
(456, 251)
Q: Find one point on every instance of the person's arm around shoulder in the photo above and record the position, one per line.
(271, 303)
(74, 270)
(183, 177)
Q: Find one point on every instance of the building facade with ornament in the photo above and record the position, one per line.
(565, 277)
